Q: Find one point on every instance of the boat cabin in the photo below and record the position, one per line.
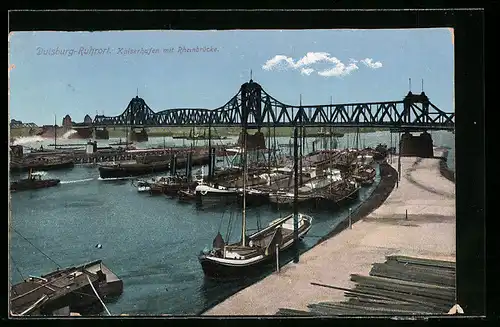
(36, 176)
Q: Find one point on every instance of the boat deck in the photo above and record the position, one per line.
(263, 242)
(25, 294)
(110, 276)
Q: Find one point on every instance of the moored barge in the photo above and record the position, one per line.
(66, 290)
(132, 169)
(41, 164)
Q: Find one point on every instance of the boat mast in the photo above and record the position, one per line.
(302, 142)
(244, 123)
(245, 173)
(296, 194)
(55, 132)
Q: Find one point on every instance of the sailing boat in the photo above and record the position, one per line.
(229, 261)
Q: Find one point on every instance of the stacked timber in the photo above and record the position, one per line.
(400, 286)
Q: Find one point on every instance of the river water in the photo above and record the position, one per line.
(151, 243)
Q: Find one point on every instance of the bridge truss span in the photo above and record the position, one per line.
(255, 108)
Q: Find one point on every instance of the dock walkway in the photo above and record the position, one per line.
(423, 195)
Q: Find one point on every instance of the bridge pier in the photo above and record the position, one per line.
(255, 141)
(416, 146)
(101, 133)
(84, 133)
(138, 135)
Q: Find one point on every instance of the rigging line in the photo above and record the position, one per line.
(16, 266)
(221, 220)
(58, 265)
(92, 285)
(228, 226)
(231, 225)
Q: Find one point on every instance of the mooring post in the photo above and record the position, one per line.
(277, 258)
(406, 214)
(350, 221)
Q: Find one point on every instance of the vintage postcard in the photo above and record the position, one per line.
(237, 172)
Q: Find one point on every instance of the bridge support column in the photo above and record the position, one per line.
(139, 135)
(84, 133)
(101, 133)
(416, 146)
(256, 141)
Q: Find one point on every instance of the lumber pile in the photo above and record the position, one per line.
(400, 286)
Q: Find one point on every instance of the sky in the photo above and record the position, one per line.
(52, 74)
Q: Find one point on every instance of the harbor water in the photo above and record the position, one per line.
(151, 242)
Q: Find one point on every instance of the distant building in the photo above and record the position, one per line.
(67, 121)
(87, 119)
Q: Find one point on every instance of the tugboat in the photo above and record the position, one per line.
(34, 181)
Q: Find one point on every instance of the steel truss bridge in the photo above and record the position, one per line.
(23, 125)
(255, 107)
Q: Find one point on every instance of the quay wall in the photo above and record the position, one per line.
(417, 219)
(446, 172)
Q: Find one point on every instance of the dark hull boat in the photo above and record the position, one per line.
(210, 194)
(336, 200)
(237, 261)
(172, 190)
(186, 196)
(255, 198)
(26, 184)
(171, 185)
(33, 182)
(124, 170)
(381, 152)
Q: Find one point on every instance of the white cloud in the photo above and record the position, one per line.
(369, 63)
(279, 61)
(314, 57)
(306, 71)
(338, 68)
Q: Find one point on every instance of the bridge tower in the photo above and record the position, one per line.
(410, 145)
(99, 133)
(138, 114)
(251, 115)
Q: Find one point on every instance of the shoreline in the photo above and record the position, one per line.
(445, 171)
(120, 131)
(416, 219)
